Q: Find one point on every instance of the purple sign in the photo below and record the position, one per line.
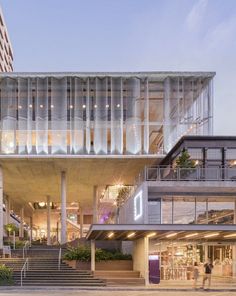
(154, 270)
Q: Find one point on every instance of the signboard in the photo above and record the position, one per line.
(154, 269)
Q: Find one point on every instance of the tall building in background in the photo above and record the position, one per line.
(6, 53)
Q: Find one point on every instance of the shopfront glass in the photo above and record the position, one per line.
(176, 259)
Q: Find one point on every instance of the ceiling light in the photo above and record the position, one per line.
(131, 234)
(52, 106)
(42, 204)
(31, 106)
(41, 106)
(211, 235)
(230, 235)
(171, 234)
(84, 106)
(71, 106)
(191, 235)
(118, 105)
(20, 107)
(95, 106)
(111, 234)
(107, 106)
(151, 234)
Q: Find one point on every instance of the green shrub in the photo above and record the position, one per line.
(6, 275)
(79, 253)
(84, 254)
(19, 244)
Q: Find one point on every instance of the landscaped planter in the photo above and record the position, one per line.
(102, 265)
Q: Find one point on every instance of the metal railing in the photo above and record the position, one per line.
(24, 268)
(59, 259)
(166, 173)
(25, 249)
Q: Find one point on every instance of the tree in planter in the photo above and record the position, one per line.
(184, 161)
(10, 228)
(122, 196)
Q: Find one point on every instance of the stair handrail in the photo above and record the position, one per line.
(24, 268)
(59, 259)
(25, 248)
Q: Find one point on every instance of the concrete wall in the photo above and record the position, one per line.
(127, 212)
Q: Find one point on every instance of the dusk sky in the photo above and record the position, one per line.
(130, 35)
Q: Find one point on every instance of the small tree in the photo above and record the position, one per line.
(184, 160)
(122, 196)
(10, 228)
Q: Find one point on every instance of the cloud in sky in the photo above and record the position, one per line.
(222, 35)
(196, 15)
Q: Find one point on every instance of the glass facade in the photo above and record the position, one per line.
(197, 210)
(103, 114)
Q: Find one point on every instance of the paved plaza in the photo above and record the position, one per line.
(77, 292)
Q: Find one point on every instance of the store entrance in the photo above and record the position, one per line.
(176, 259)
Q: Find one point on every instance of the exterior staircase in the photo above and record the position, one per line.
(43, 270)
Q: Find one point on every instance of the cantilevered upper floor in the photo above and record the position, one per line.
(126, 113)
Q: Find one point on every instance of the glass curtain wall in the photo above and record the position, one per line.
(100, 115)
(187, 108)
(197, 210)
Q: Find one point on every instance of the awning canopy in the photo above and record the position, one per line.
(190, 232)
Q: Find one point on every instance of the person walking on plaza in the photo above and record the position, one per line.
(207, 276)
(195, 275)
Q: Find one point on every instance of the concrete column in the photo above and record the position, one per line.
(234, 260)
(93, 250)
(31, 229)
(48, 221)
(21, 230)
(8, 209)
(81, 221)
(95, 205)
(140, 257)
(1, 208)
(63, 208)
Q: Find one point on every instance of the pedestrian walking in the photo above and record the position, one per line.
(208, 271)
(195, 275)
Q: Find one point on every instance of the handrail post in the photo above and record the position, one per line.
(59, 260)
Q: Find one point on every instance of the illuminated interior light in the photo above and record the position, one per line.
(31, 106)
(171, 234)
(151, 234)
(71, 106)
(230, 235)
(95, 106)
(20, 107)
(84, 106)
(118, 105)
(132, 234)
(191, 235)
(107, 106)
(52, 106)
(41, 106)
(42, 204)
(196, 162)
(211, 235)
(111, 234)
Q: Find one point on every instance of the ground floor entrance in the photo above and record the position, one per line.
(176, 259)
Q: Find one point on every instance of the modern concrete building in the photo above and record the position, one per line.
(71, 142)
(6, 52)
(66, 138)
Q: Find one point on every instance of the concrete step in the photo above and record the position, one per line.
(117, 274)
